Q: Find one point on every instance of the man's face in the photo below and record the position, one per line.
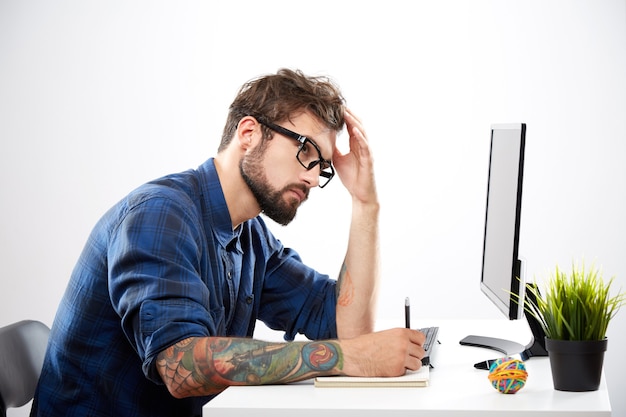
(276, 178)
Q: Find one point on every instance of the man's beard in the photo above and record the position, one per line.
(270, 200)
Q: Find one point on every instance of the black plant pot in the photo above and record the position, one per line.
(576, 364)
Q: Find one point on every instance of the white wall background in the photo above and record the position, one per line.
(99, 97)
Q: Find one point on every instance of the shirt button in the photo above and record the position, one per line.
(229, 275)
(249, 299)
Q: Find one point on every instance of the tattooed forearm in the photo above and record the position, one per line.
(345, 287)
(203, 366)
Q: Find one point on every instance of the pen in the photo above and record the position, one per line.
(407, 313)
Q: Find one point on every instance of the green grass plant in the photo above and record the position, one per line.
(578, 306)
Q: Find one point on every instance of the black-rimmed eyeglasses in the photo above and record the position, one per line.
(307, 158)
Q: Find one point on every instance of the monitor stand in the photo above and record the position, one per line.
(536, 346)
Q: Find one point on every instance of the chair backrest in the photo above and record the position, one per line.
(22, 349)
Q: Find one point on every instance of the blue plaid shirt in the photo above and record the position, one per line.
(162, 265)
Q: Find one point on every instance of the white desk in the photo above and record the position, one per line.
(456, 388)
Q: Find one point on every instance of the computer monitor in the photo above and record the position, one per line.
(502, 277)
(501, 267)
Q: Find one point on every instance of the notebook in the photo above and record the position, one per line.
(417, 378)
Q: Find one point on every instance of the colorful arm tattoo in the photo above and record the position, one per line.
(204, 366)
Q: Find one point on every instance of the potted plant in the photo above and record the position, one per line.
(574, 312)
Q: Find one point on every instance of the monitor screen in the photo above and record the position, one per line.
(501, 269)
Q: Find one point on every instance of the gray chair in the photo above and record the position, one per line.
(22, 348)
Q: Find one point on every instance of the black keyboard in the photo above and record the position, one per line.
(430, 345)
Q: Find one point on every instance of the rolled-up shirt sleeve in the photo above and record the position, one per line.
(154, 278)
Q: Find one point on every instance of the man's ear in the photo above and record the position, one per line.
(248, 132)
